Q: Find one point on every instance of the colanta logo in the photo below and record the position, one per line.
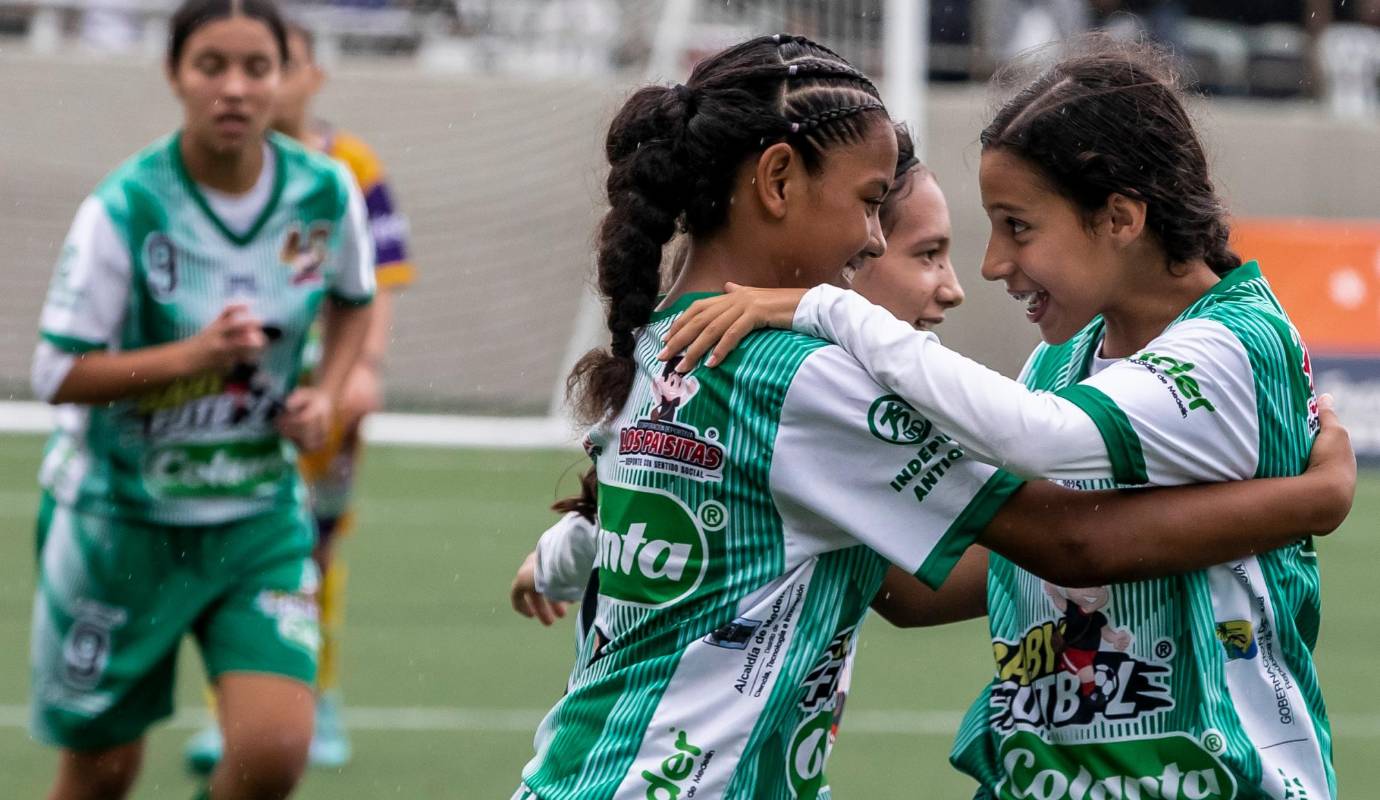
(234, 469)
(651, 549)
(1173, 767)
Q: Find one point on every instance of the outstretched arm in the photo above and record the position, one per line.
(998, 420)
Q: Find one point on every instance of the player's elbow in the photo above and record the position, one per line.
(1331, 505)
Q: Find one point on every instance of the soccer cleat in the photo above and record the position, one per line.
(330, 746)
(202, 752)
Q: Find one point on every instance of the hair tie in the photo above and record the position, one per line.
(685, 95)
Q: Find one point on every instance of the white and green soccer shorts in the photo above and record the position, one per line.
(115, 597)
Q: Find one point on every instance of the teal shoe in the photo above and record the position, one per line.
(203, 751)
(330, 746)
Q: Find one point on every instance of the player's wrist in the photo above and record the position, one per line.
(192, 356)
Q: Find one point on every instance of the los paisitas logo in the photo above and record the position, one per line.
(658, 442)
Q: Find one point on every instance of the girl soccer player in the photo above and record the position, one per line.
(330, 470)
(171, 338)
(740, 543)
(913, 279)
(1166, 361)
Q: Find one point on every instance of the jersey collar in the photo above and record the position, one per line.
(1247, 271)
(279, 180)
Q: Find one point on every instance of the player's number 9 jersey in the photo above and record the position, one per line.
(149, 262)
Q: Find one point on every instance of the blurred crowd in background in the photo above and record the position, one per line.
(1327, 50)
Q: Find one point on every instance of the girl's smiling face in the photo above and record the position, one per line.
(914, 279)
(835, 210)
(1043, 247)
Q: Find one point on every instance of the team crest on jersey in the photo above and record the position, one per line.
(658, 442)
(160, 265)
(86, 648)
(305, 254)
(1076, 670)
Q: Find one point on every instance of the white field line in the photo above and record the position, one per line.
(500, 720)
(420, 430)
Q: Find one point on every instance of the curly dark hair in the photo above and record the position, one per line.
(1111, 119)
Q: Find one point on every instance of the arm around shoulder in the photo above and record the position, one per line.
(1090, 538)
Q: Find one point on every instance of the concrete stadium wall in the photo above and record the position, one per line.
(502, 182)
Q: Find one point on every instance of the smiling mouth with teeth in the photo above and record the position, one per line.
(1035, 303)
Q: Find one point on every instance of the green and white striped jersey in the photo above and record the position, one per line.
(152, 258)
(1197, 686)
(746, 517)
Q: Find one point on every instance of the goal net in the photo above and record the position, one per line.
(491, 134)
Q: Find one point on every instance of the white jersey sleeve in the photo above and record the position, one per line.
(49, 370)
(854, 464)
(88, 295)
(354, 282)
(1182, 411)
(565, 558)
(1036, 434)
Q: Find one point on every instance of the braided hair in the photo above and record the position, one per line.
(1111, 120)
(673, 155)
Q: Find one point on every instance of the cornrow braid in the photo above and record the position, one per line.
(806, 124)
(674, 154)
(816, 68)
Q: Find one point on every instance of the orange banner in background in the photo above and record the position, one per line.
(1325, 272)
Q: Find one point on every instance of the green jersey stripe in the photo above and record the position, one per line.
(967, 526)
(1123, 445)
(71, 344)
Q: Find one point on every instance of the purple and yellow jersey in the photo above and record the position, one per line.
(393, 269)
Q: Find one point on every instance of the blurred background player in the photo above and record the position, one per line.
(330, 471)
(171, 339)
